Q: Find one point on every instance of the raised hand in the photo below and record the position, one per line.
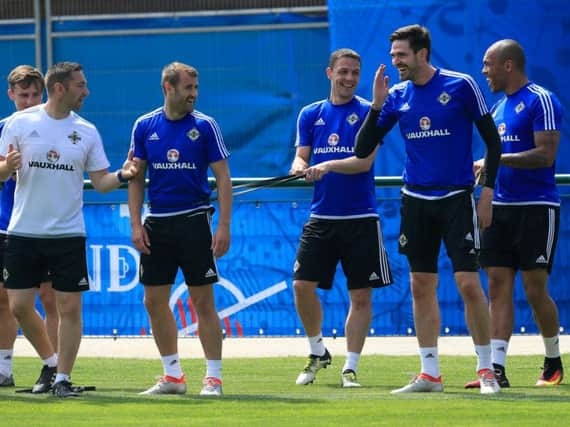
(380, 88)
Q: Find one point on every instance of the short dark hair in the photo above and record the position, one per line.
(61, 73)
(343, 53)
(509, 49)
(418, 37)
(171, 73)
(25, 76)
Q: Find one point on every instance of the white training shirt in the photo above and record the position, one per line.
(49, 188)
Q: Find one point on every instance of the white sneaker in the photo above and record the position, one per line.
(314, 364)
(348, 379)
(212, 387)
(421, 384)
(167, 385)
(488, 382)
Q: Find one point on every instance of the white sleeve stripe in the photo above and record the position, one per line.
(474, 86)
(217, 133)
(547, 106)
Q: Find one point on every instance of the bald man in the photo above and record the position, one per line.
(526, 207)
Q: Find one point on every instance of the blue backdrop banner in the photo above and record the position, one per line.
(254, 295)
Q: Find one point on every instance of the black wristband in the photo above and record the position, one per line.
(121, 178)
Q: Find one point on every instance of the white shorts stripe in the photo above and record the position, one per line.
(476, 236)
(551, 228)
(384, 266)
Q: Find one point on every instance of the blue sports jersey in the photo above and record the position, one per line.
(330, 130)
(436, 122)
(7, 196)
(531, 109)
(178, 153)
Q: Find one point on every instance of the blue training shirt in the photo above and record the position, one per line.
(330, 130)
(7, 196)
(531, 109)
(436, 122)
(178, 153)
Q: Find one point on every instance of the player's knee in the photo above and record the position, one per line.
(470, 291)
(303, 288)
(19, 309)
(536, 294)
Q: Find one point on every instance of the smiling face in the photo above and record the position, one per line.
(495, 70)
(182, 96)
(406, 61)
(344, 76)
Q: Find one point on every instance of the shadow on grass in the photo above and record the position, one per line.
(105, 396)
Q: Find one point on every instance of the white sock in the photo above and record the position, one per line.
(51, 361)
(317, 346)
(214, 369)
(61, 377)
(6, 362)
(483, 357)
(551, 346)
(171, 366)
(499, 349)
(351, 361)
(430, 361)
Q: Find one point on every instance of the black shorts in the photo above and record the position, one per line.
(180, 241)
(424, 223)
(521, 237)
(46, 277)
(356, 243)
(26, 261)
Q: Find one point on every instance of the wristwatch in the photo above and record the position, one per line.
(121, 178)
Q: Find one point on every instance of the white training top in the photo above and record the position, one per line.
(49, 188)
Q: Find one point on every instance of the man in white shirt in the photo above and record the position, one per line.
(50, 147)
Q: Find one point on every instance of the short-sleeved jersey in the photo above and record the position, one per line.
(436, 122)
(178, 153)
(330, 130)
(7, 195)
(56, 153)
(531, 109)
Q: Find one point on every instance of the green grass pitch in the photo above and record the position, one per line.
(262, 392)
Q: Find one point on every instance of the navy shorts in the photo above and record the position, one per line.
(180, 241)
(521, 237)
(425, 223)
(27, 259)
(356, 243)
(46, 277)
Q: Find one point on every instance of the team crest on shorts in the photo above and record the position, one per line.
(403, 240)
